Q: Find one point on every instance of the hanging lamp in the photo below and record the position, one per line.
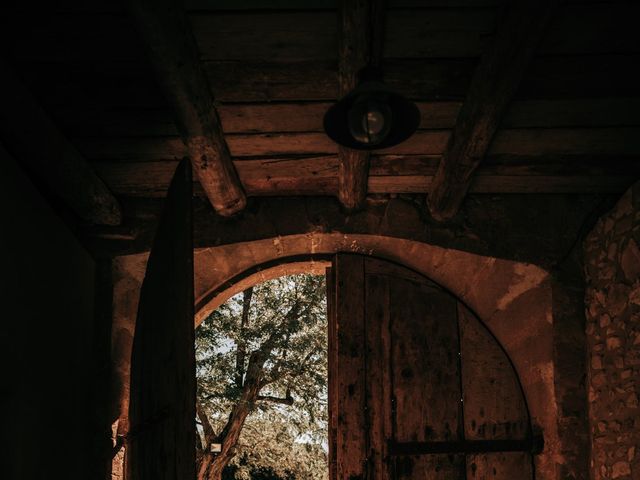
(372, 116)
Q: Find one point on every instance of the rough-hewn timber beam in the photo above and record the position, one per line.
(166, 31)
(34, 140)
(494, 83)
(361, 35)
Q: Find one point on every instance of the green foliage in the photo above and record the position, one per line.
(287, 320)
(233, 472)
(274, 447)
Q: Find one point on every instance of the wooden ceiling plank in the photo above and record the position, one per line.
(310, 35)
(126, 85)
(281, 37)
(520, 184)
(361, 29)
(493, 85)
(393, 174)
(611, 141)
(35, 141)
(305, 117)
(165, 29)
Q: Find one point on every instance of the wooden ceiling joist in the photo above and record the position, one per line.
(34, 140)
(361, 39)
(493, 85)
(166, 31)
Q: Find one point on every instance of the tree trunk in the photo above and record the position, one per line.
(206, 457)
(211, 466)
(203, 468)
(231, 433)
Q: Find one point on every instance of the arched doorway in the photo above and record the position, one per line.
(513, 299)
(420, 388)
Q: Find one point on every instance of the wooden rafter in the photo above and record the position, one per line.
(361, 38)
(35, 141)
(166, 31)
(493, 85)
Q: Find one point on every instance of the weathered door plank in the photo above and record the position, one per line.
(494, 407)
(420, 388)
(161, 443)
(351, 444)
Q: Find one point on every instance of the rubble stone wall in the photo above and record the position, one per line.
(612, 300)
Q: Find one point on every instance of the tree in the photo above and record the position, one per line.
(261, 365)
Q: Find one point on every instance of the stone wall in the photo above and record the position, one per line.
(569, 345)
(612, 264)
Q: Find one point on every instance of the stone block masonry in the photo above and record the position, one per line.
(612, 301)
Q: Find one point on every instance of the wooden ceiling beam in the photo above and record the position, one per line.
(34, 140)
(165, 29)
(361, 27)
(493, 85)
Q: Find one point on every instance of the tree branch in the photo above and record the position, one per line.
(269, 344)
(241, 351)
(302, 365)
(288, 400)
(209, 433)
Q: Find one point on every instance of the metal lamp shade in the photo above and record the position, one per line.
(393, 118)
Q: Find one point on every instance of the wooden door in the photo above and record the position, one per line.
(161, 442)
(418, 388)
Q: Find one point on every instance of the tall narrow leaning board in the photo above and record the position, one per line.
(161, 441)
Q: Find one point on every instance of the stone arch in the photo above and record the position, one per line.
(513, 299)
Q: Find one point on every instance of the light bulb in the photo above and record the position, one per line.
(369, 120)
(373, 122)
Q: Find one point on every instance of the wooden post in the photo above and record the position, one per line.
(361, 36)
